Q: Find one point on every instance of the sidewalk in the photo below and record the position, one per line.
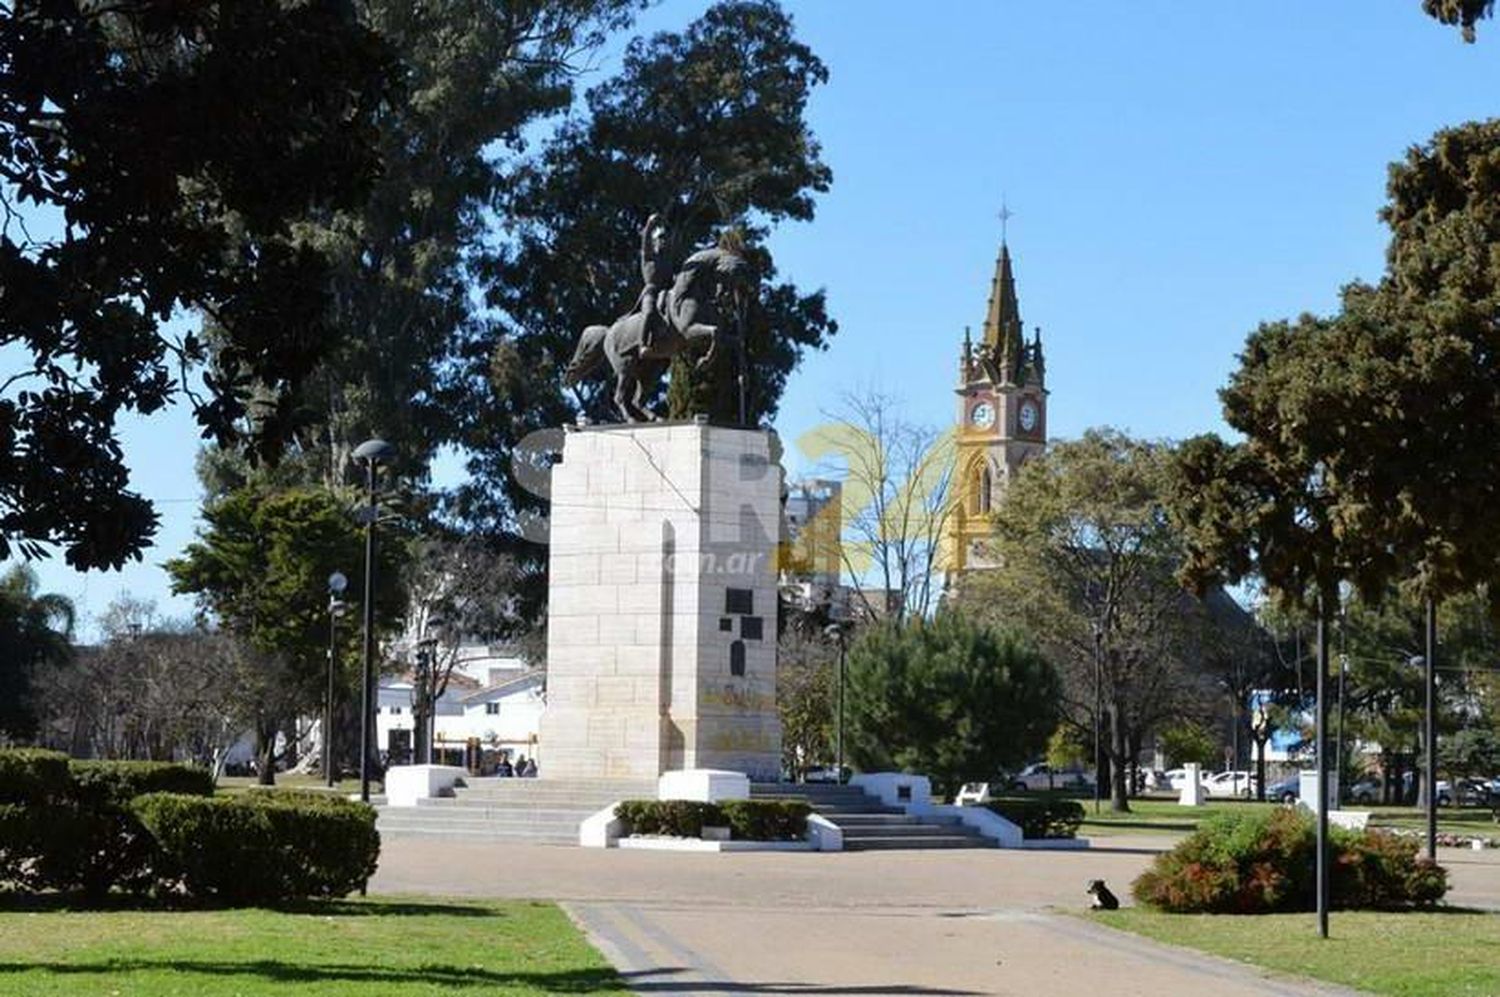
(864, 923)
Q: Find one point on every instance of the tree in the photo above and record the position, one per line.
(153, 158)
(706, 127)
(458, 588)
(1086, 554)
(259, 570)
(806, 697)
(948, 698)
(476, 75)
(1463, 13)
(36, 632)
(1186, 742)
(1471, 752)
(897, 502)
(152, 689)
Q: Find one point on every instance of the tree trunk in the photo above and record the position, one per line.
(265, 753)
(1119, 799)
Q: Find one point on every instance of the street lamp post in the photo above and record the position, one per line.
(1429, 728)
(1098, 708)
(838, 632)
(336, 585)
(371, 453)
(1321, 739)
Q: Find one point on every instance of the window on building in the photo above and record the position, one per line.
(737, 658)
(491, 709)
(986, 487)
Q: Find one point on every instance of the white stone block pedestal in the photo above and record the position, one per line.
(661, 627)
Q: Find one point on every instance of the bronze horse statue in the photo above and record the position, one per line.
(707, 297)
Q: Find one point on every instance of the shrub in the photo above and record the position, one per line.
(766, 820)
(1041, 817)
(98, 843)
(747, 820)
(261, 848)
(30, 775)
(66, 825)
(675, 818)
(1263, 862)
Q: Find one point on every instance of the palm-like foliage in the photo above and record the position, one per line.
(35, 634)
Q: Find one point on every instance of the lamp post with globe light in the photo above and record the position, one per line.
(371, 453)
(337, 583)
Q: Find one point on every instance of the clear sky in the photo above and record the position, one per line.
(1177, 171)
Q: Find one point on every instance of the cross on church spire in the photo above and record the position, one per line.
(1005, 216)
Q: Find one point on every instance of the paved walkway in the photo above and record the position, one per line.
(863, 922)
(860, 923)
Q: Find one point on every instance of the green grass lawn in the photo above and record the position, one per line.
(1158, 816)
(230, 784)
(388, 947)
(1445, 953)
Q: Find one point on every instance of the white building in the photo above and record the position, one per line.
(475, 721)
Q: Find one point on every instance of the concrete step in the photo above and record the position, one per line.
(474, 810)
(913, 830)
(903, 843)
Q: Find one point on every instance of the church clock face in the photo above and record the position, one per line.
(982, 415)
(1028, 416)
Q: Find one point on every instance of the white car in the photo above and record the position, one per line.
(1175, 779)
(1232, 783)
(1040, 775)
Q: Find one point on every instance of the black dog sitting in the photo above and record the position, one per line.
(1103, 898)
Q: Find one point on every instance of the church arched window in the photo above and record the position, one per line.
(986, 488)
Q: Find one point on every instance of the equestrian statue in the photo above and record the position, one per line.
(702, 301)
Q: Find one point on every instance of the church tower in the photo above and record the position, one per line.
(1002, 416)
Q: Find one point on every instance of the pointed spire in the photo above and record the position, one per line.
(1003, 333)
(1038, 361)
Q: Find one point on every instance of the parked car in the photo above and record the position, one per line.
(1365, 791)
(1174, 779)
(1040, 775)
(1286, 791)
(1231, 783)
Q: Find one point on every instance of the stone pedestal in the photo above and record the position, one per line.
(661, 626)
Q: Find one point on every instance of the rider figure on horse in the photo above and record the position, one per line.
(656, 274)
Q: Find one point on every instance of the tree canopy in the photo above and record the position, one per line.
(706, 127)
(259, 570)
(152, 158)
(36, 632)
(949, 698)
(1085, 548)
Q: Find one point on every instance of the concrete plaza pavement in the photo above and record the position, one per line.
(860, 923)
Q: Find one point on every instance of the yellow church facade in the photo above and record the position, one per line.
(1001, 420)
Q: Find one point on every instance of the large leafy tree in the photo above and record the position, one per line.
(705, 127)
(36, 631)
(1086, 553)
(949, 698)
(260, 570)
(152, 157)
(475, 74)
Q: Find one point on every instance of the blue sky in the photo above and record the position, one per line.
(1178, 173)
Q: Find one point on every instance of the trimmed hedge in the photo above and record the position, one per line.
(103, 845)
(747, 820)
(261, 848)
(1041, 818)
(766, 820)
(1263, 862)
(30, 775)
